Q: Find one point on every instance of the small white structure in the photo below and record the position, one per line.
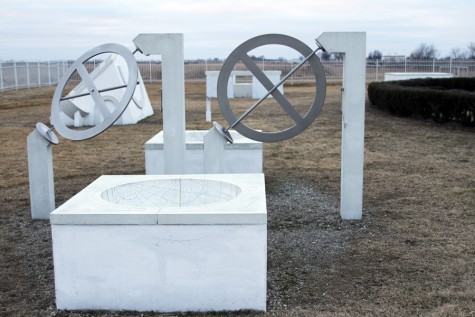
(393, 58)
(163, 243)
(243, 156)
(404, 76)
(238, 88)
(113, 72)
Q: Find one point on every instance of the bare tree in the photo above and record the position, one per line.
(375, 55)
(424, 51)
(471, 51)
(458, 53)
(324, 56)
(336, 56)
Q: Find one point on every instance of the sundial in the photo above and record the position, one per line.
(109, 116)
(300, 123)
(170, 47)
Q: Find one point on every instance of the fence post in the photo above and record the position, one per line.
(39, 75)
(405, 65)
(450, 65)
(64, 68)
(28, 75)
(16, 75)
(433, 65)
(292, 77)
(49, 74)
(377, 70)
(1, 76)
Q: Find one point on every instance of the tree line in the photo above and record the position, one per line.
(429, 51)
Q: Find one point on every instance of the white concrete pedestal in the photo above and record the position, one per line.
(353, 47)
(243, 156)
(206, 251)
(41, 176)
(171, 48)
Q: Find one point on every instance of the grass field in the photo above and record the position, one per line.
(413, 254)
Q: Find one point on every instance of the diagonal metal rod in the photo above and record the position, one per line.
(254, 106)
(100, 90)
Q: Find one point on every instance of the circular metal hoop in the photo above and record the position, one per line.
(240, 54)
(109, 117)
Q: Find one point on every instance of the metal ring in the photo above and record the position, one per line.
(109, 117)
(240, 54)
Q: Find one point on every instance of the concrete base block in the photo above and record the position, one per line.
(115, 253)
(160, 268)
(243, 156)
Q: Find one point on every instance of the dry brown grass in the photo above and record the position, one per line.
(412, 254)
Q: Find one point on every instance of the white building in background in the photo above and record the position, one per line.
(393, 58)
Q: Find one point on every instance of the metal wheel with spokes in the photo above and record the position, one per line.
(300, 123)
(109, 117)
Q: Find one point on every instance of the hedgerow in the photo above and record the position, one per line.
(442, 99)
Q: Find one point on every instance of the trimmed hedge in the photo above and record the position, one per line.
(442, 99)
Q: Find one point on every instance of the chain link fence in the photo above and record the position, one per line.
(20, 75)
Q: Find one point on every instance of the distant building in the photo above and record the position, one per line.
(393, 58)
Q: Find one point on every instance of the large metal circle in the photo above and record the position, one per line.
(109, 117)
(240, 54)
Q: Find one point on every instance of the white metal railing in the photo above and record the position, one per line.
(19, 74)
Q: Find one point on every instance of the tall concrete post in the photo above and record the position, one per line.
(353, 46)
(171, 48)
(41, 177)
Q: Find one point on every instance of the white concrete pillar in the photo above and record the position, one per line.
(208, 109)
(171, 48)
(353, 46)
(40, 172)
(213, 143)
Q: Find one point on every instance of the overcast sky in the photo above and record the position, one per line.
(50, 30)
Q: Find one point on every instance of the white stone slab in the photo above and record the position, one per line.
(404, 76)
(164, 268)
(212, 84)
(152, 199)
(243, 156)
(213, 158)
(243, 90)
(259, 91)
